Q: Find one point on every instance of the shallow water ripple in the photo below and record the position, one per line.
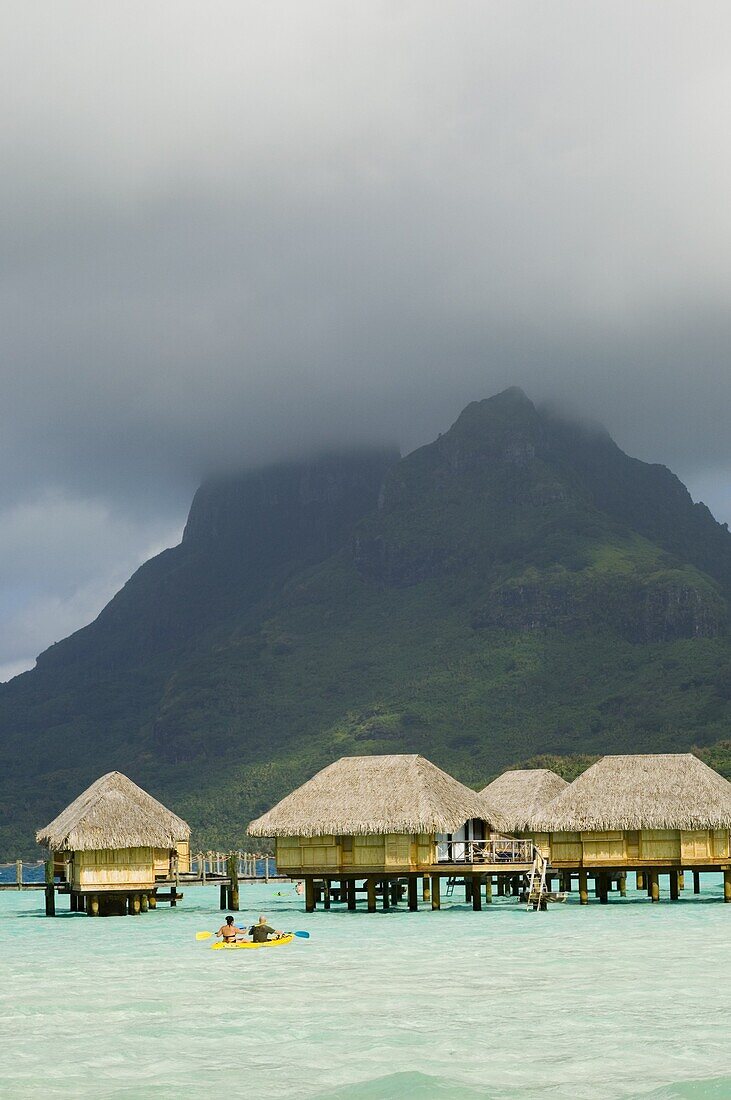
(622, 1000)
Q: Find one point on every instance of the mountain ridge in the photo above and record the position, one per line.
(518, 587)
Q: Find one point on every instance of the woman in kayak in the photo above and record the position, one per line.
(229, 931)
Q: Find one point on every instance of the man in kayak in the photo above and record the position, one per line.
(228, 931)
(261, 932)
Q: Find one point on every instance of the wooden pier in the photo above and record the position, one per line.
(227, 870)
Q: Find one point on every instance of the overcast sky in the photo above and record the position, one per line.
(235, 231)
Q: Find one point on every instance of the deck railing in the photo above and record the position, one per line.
(498, 849)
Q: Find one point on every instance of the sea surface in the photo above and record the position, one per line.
(620, 1000)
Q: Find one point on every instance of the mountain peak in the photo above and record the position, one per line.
(512, 404)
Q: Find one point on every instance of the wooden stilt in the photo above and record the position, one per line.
(50, 889)
(566, 881)
(500, 886)
(488, 889)
(696, 882)
(92, 906)
(233, 874)
(681, 880)
(436, 892)
(395, 891)
(74, 902)
(222, 896)
(623, 886)
(309, 895)
(153, 901)
(326, 894)
(467, 889)
(476, 894)
(603, 884)
(350, 889)
(413, 890)
(144, 903)
(727, 886)
(174, 897)
(515, 886)
(386, 894)
(597, 889)
(674, 885)
(426, 888)
(640, 880)
(371, 893)
(583, 887)
(654, 885)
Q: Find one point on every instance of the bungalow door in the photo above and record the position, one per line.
(442, 847)
(458, 843)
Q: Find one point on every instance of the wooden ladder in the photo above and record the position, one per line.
(537, 882)
(451, 883)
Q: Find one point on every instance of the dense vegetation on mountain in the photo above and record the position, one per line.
(518, 587)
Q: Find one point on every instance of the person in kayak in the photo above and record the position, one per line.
(261, 932)
(228, 931)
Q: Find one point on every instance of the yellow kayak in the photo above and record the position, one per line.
(220, 946)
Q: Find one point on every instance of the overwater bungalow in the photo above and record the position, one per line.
(379, 823)
(653, 814)
(521, 794)
(112, 848)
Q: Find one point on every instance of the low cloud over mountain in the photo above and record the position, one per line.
(240, 234)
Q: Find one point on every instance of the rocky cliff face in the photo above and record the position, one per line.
(654, 608)
(302, 510)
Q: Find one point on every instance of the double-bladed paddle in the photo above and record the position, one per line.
(207, 935)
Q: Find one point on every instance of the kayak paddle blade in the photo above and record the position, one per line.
(303, 935)
(203, 935)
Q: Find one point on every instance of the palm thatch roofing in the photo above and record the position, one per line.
(653, 791)
(372, 795)
(519, 795)
(113, 813)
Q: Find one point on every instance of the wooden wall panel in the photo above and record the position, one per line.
(182, 847)
(695, 845)
(603, 847)
(398, 850)
(115, 869)
(369, 851)
(564, 847)
(720, 843)
(660, 844)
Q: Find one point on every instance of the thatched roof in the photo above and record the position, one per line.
(519, 795)
(362, 795)
(113, 813)
(656, 791)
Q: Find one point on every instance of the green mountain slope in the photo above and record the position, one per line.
(518, 587)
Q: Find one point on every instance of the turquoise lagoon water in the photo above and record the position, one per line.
(625, 999)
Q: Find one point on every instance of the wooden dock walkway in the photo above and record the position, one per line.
(225, 870)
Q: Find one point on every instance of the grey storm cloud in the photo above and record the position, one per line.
(236, 231)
